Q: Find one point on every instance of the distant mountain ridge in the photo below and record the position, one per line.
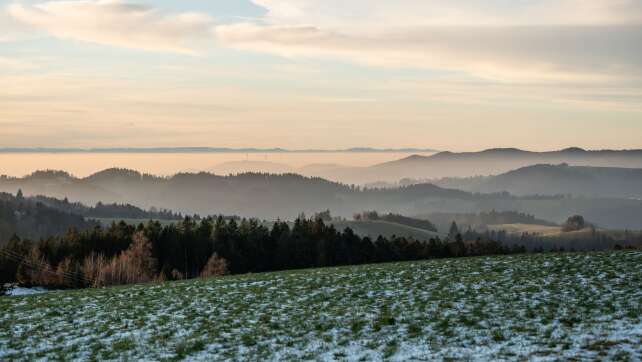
(571, 151)
(487, 162)
(419, 167)
(546, 179)
(207, 150)
(444, 164)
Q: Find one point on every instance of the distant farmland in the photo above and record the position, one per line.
(557, 232)
(543, 230)
(581, 306)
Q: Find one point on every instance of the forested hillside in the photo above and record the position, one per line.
(559, 179)
(123, 254)
(32, 219)
(107, 211)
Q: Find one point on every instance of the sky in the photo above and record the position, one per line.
(450, 75)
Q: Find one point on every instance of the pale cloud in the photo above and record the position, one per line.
(116, 23)
(12, 30)
(531, 54)
(13, 64)
(379, 13)
(501, 40)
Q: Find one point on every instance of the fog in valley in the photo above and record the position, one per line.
(83, 164)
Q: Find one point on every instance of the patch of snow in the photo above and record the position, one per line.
(18, 291)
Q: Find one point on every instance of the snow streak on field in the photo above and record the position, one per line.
(547, 307)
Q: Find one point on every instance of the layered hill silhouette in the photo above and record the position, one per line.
(271, 197)
(30, 218)
(557, 179)
(488, 162)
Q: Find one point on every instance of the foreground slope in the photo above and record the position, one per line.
(547, 306)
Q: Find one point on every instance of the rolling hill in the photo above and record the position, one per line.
(271, 197)
(235, 167)
(544, 179)
(29, 218)
(488, 162)
(442, 165)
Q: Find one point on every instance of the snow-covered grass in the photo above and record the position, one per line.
(17, 291)
(536, 307)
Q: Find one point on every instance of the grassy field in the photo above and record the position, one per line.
(541, 307)
(374, 228)
(557, 232)
(542, 230)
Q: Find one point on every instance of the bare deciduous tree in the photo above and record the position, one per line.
(216, 266)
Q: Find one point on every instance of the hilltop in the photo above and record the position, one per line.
(547, 179)
(495, 161)
(487, 162)
(31, 218)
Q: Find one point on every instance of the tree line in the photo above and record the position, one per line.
(123, 253)
(102, 210)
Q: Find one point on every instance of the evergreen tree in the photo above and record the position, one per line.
(123, 253)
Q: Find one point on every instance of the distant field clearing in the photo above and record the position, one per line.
(542, 230)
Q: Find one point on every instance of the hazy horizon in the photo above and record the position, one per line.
(167, 164)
